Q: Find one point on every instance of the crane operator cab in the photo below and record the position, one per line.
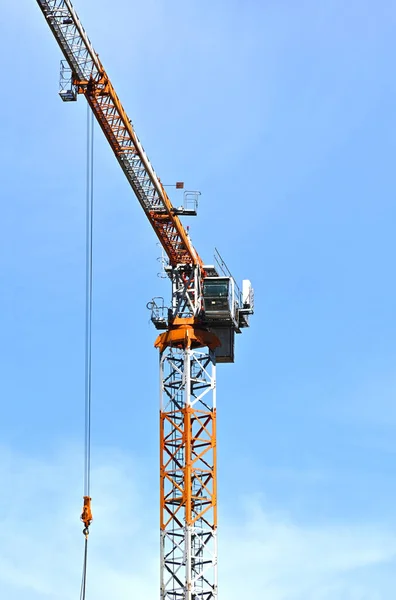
(226, 311)
(218, 295)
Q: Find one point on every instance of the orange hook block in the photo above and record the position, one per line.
(86, 516)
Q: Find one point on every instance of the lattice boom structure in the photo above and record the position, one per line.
(88, 77)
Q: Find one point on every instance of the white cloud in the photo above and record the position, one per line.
(41, 541)
(263, 554)
(288, 561)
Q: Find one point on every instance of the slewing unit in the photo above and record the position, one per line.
(223, 309)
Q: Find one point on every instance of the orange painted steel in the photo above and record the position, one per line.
(197, 495)
(90, 79)
(186, 333)
(86, 516)
(122, 138)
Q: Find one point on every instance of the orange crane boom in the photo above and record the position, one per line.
(88, 77)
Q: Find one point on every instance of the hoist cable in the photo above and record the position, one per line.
(88, 301)
(86, 516)
(84, 571)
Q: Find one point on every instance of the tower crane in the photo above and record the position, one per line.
(196, 331)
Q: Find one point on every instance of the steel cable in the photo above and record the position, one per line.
(84, 571)
(88, 300)
(88, 330)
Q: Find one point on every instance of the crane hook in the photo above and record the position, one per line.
(86, 515)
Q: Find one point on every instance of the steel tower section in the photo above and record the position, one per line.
(188, 514)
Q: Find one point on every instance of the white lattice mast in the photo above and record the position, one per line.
(199, 329)
(188, 516)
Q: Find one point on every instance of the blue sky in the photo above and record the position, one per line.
(282, 114)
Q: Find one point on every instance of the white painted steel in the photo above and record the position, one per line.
(188, 553)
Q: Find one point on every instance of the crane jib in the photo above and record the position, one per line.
(91, 80)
